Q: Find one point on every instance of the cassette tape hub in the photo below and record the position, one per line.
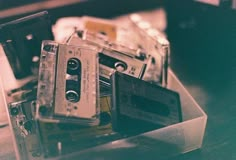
(68, 83)
(21, 40)
(73, 80)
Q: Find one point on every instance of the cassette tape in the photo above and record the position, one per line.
(65, 138)
(36, 139)
(134, 101)
(133, 36)
(155, 44)
(102, 26)
(104, 42)
(24, 130)
(67, 25)
(21, 40)
(114, 57)
(68, 87)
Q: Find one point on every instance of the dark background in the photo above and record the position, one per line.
(203, 56)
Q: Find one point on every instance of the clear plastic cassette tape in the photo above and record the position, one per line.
(115, 57)
(25, 129)
(38, 140)
(155, 43)
(139, 37)
(21, 40)
(133, 36)
(68, 87)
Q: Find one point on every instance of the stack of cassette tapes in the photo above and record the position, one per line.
(91, 88)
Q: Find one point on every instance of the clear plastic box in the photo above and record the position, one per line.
(157, 144)
(161, 143)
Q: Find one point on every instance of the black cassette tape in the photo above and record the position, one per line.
(24, 129)
(68, 84)
(134, 101)
(21, 40)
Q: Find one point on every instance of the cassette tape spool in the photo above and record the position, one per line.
(68, 87)
(24, 129)
(113, 57)
(21, 40)
(135, 100)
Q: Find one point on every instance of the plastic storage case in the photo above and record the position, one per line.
(157, 144)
